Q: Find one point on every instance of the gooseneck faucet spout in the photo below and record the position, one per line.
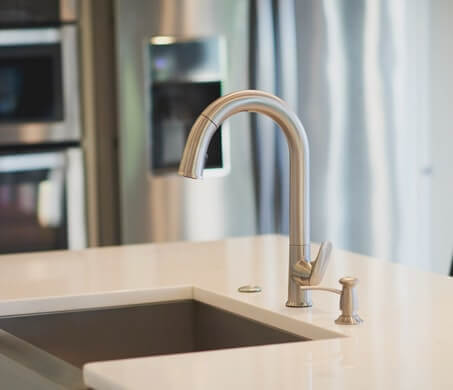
(302, 272)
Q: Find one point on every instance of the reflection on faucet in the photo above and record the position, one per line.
(302, 272)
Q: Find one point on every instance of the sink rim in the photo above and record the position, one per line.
(243, 308)
(240, 305)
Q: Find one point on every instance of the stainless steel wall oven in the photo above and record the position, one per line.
(41, 161)
(39, 100)
(40, 203)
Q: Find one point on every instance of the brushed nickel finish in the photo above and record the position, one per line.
(249, 289)
(192, 165)
(348, 302)
(348, 299)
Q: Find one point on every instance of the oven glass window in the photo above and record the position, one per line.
(32, 212)
(30, 83)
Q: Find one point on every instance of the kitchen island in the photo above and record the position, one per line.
(405, 341)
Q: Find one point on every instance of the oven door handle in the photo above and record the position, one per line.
(32, 36)
(31, 162)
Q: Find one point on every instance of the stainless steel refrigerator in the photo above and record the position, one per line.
(356, 73)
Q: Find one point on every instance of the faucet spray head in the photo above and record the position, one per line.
(193, 158)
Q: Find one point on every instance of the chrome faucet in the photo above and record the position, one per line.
(303, 272)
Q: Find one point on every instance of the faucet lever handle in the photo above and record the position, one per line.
(311, 273)
(319, 265)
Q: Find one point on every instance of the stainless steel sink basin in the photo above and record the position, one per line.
(78, 337)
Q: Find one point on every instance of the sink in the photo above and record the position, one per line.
(79, 337)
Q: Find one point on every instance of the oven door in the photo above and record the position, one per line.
(39, 100)
(41, 201)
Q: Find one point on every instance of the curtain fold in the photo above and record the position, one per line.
(273, 68)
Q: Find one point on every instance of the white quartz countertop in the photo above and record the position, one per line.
(405, 342)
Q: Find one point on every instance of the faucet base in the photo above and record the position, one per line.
(348, 319)
(298, 304)
(298, 297)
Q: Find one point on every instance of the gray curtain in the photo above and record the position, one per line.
(273, 68)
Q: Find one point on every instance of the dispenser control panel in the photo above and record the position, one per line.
(186, 76)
